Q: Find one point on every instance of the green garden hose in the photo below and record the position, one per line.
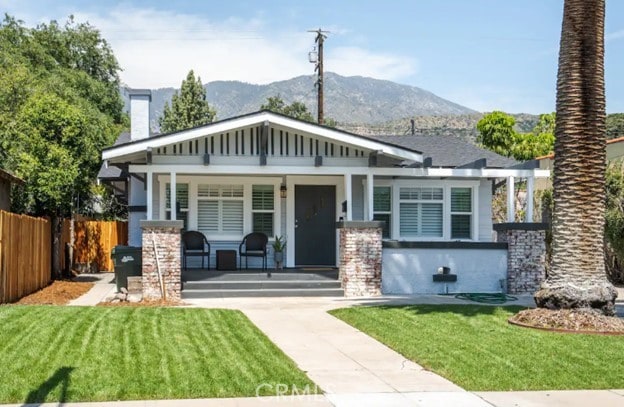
(486, 298)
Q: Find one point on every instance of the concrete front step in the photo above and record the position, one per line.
(243, 275)
(260, 284)
(274, 292)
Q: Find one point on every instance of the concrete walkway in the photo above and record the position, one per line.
(349, 366)
(104, 287)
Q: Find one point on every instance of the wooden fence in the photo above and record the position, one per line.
(24, 255)
(93, 242)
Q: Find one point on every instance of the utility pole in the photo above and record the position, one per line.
(320, 38)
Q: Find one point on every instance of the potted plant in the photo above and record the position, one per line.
(278, 250)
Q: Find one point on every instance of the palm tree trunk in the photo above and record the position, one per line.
(577, 277)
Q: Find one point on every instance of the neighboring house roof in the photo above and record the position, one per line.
(111, 172)
(615, 149)
(449, 150)
(11, 178)
(387, 147)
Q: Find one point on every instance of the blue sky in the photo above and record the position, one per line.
(484, 54)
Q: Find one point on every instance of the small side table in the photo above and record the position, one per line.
(226, 259)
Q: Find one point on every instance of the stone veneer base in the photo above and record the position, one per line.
(166, 235)
(360, 258)
(526, 256)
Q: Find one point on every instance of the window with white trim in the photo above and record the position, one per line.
(220, 209)
(461, 213)
(382, 208)
(421, 211)
(263, 208)
(182, 202)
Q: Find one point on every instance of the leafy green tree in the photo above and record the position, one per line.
(496, 132)
(189, 107)
(538, 142)
(615, 125)
(59, 106)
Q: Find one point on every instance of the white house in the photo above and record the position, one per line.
(269, 173)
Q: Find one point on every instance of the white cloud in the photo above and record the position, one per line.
(614, 35)
(358, 61)
(156, 48)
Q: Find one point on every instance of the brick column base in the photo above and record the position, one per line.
(166, 235)
(360, 258)
(526, 255)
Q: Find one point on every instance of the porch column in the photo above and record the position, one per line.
(150, 194)
(172, 195)
(511, 210)
(161, 268)
(529, 199)
(369, 196)
(360, 258)
(348, 196)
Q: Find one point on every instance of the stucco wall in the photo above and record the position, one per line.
(410, 270)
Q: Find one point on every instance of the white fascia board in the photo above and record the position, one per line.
(462, 172)
(348, 138)
(184, 136)
(257, 119)
(243, 169)
(324, 170)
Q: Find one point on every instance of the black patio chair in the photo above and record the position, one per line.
(194, 243)
(254, 245)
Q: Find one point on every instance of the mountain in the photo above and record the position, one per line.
(353, 99)
(462, 125)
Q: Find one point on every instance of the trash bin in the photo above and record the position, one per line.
(128, 262)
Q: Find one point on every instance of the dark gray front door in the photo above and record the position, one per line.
(315, 225)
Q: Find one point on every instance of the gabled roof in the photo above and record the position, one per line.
(449, 150)
(387, 147)
(11, 178)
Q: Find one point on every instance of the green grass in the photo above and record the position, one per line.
(476, 348)
(123, 353)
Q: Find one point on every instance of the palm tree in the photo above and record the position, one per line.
(577, 277)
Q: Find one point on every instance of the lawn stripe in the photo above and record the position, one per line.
(136, 353)
(475, 347)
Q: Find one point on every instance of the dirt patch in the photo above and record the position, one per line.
(60, 292)
(142, 303)
(573, 321)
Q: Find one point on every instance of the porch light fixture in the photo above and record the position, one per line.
(283, 191)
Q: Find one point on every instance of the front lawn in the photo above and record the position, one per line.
(116, 353)
(476, 348)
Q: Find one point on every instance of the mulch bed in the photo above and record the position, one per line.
(570, 321)
(60, 292)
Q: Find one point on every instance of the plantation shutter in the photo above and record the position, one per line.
(181, 195)
(208, 216)
(409, 219)
(381, 199)
(461, 213)
(431, 220)
(263, 205)
(263, 197)
(232, 216)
